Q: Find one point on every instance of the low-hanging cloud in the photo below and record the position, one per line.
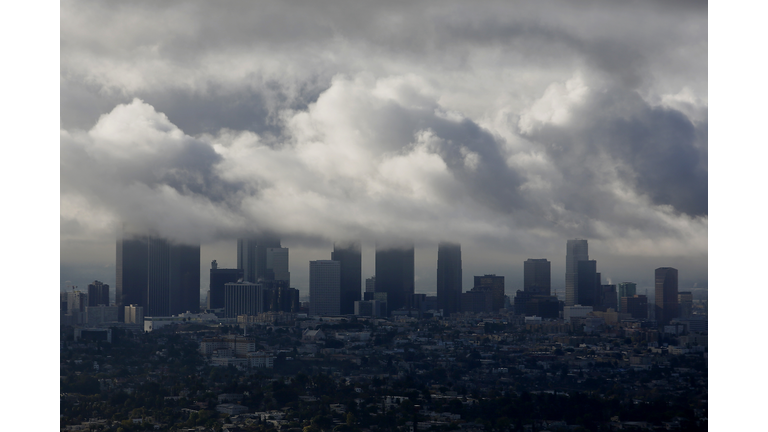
(377, 158)
(508, 126)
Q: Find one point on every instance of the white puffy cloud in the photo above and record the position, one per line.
(509, 128)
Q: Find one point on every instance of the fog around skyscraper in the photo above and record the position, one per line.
(507, 138)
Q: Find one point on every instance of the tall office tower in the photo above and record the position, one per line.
(636, 306)
(131, 268)
(537, 276)
(173, 278)
(395, 275)
(370, 284)
(666, 295)
(626, 289)
(98, 294)
(243, 298)
(477, 300)
(608, 299)
(246, 258)
(685, 304)
(587, 281)
(63, 301)
(218, 278)
(252, 256)
(277, 264)
(184, 274)
(495, 285)
(351, 259)
(576, 250)
(158, 278)
(161, 277)
(449, 277)
(324, 287)
(77, 301)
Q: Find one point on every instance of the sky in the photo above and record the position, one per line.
(509, 127)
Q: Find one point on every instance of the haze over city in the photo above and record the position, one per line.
(508, 129)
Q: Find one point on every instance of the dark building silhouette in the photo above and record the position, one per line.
(576, 250)
(493, 284)
(685, 304)
(218, 278)
(626, 289)
(252, 256)
(477, 300)
(370, 284)
(535, 299)
(278, 297)
(666, 295)
(173, 278)
(98, 294)
(131, 269)
(350, 257)
(449, 277)
(537, 276)
(395, 275)
(608, 298)
(160, 276)
(636, 306)
(587, 283)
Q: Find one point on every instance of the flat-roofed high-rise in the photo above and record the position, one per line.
(537, 276)
(350, 258)
(395, 274)
(449, 277)
(587, 283)
(494, 285)
(161, 276)
(666, 295)
(626, 289)
(131, 266)
(252, 255)
(324, 287)
(576, 250)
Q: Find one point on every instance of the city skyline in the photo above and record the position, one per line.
(545, 123)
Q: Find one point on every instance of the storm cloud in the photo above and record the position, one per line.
(508, 127)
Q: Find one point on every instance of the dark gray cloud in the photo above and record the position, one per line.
(657, 151)
(506, 126)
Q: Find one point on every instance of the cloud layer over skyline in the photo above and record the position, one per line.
(508, 128)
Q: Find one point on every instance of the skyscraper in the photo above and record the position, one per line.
(636, 306)
(626, 289)
(218, 278)
(98, 294)
(449, 277)
(349, 255)
(173, 278)
(666, 295)
(537, 276)
(160, 276)
(277, 264)
(395, 275)
(243, 298)
(685, 304)
(131, 269)
(587, 283)
(370, 284)
(493, 284)
(576, 250)
(252, 255)
(324, 287)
